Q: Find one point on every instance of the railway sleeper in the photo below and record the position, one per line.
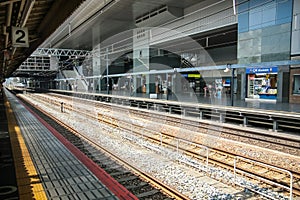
(123, 175)
(128, 178)
(246, 166)
(115, 167)
(262, 171)
(120, 173)
(111, 170)
(108, 162)
(136, 186)
(280, 177)
(102, 158)
(147, 194)
(220, 158)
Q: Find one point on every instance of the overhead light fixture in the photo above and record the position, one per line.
(233, 6)
(193, 59)
(227, 69)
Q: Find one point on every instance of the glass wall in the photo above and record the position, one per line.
(257, 14)
(262, 83)
(296, 86)
(295, 44)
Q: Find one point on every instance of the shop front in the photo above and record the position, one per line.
(192, 81)
(262, 83)
(295, 85)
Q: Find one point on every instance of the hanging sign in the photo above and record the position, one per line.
(261, 70)
(20, 37)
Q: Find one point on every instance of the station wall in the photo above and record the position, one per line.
(264, 30)
(295, 48)
(204, 16)
(294, 87)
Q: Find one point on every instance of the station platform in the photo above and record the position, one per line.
(37, 163)
(224, 100)
(8, 183)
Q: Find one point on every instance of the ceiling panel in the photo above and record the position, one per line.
(118, 18)
(41, 17)
(47, 15)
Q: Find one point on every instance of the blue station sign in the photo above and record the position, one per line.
(258, 70)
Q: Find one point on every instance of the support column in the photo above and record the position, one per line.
(54, 63)
(176, 83)
(282, 88)
(141, 54)
(241, 83)
(96, 59)
(256, 35)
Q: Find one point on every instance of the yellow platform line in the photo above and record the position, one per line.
(29, 184)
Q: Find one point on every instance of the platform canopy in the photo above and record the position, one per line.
(25, 24)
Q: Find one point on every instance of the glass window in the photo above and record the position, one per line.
(284, 11)
(296, 86)
(255, 18)
(256, 3)
(243, 7)
(243, 22)
(262, 16)
(243, 18)
(241, 1)
(268, 15)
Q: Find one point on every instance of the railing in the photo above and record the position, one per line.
(290, 188)
(204, 152)
(137, 136)
(245, 116)
(206, 168)
(82, 78)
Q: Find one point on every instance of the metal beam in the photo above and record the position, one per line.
(53, 19)
(199, 69)
(8, 2)
(60, 52)
(26, 12)
(239, 66)
(211, 68)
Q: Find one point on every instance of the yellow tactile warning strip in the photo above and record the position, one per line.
(29, 184)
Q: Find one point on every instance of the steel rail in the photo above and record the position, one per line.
(147, 177)
(109, 122)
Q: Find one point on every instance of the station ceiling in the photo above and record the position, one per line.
(118, 18)
(41, 17)
(47, 22)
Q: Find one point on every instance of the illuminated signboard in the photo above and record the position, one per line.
(266, 70)
(191, 75)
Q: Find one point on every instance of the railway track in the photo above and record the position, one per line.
(264, 139)
(208, 156)
(250, 135)
(263, 119)
(138, 183)
(166, 137)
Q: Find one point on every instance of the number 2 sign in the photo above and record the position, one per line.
(20, 37)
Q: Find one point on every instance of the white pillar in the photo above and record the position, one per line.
(141, 54)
